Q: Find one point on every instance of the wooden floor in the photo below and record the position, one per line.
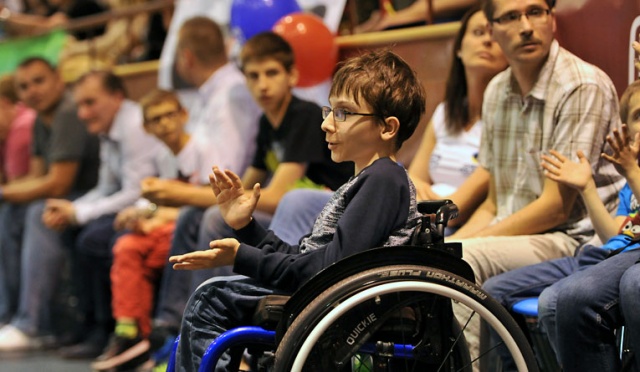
(41, 362)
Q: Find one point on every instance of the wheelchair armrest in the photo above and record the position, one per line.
(269, 311)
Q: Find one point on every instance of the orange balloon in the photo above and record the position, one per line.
(314, 46)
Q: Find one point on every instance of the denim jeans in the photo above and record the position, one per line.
(218, 305)
(93, 249)
(195, 228)
(529, 281)
(11, 229)
(581, 312)
(44, 254)
(297, 212)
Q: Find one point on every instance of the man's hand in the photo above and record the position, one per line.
(222, 253)
(560, 169)
(625, 150)
(161, 191)
(58, 214)
(236, 206)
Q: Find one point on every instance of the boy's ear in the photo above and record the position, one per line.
(389, 130)
(294, 75)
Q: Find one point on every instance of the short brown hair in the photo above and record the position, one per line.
(156, 97)
(388, 84)
(632, 89)
(8, 88)
(110, 81)
(204, 38)
(489, 8)
(267, 45)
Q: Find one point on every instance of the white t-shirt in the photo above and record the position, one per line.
(454, 156)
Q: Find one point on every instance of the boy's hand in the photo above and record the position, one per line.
(560, 169)
(236, 206)
(625, 151)
(222, 253)
(127, 219)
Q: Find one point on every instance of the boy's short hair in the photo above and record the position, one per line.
(488, 7)
(386, 83)
(267, 45)
(204, 38)
(111, 82)
(632, 89)
(8, 89)
(157, 97)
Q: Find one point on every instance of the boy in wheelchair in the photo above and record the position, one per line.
(377, 102)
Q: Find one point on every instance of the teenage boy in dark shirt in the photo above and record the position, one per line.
(377, 101)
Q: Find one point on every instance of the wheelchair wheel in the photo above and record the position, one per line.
(395, 318)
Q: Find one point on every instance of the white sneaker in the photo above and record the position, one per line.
(12, 339)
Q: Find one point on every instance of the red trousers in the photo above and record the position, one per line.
(138, 261)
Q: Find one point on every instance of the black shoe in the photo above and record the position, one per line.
(90, 348)
(123, 354)
(160, 335)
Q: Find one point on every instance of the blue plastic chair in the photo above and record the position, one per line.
(542, 348)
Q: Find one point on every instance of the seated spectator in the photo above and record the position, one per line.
(291, 153)
(415, 14)
(140, 256)
(547, 99)
(122, 41)
(366, 125)
(64, 164)
(53, 14)
(16, 128)
(560, 276)
(85, 223)
(447, 154)
(225, 116)
(127, 156)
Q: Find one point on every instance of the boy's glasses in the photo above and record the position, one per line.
(536, 16)
(156, 120)
(340, 114)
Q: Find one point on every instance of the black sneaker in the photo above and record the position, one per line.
(122, 354)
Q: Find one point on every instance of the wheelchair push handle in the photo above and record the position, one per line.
(445, 210)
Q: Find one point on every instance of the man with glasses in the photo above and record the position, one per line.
(547, 99)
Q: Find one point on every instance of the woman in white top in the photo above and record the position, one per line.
(446, 156)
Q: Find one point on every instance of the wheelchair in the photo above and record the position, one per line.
(385, 309)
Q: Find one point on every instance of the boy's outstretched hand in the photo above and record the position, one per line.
(236, 206)
(625, 150)
(567, 172)
(222, 253)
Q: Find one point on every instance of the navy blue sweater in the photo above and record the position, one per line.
(374, 208)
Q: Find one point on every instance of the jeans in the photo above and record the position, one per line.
(12, 218)
(93, 248)
(297, 212)
(218, 305)
(195, 228)
(581, 312)
(44, 257)
(529, 281)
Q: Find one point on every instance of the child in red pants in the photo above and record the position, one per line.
(140, 256)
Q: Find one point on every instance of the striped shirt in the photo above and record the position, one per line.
(572, 106)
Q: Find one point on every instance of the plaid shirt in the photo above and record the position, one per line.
(572, 106)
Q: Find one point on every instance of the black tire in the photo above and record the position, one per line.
(356, 311)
